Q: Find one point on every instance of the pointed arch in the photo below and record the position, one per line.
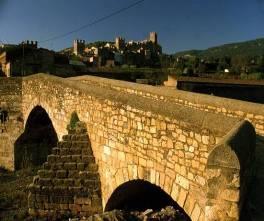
(35, 144)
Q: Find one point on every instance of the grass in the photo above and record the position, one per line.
(14, 193)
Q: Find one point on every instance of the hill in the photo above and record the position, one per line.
(248, 49)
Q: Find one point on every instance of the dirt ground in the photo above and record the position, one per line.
(13, 194)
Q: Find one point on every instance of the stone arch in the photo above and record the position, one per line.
(140, 195)
(191, 200)
(36, 142)
(58, 116)
(187, 196)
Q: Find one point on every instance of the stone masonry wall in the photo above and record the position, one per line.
(69, 183)
(134, 137)
(252, 112)
(10, 101)
(229, 170)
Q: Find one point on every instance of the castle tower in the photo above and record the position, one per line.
(119, 43)
(153, 37)
(78, 46)
(30, 44)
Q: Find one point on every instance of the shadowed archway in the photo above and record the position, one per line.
(140, 195)
(35, 144)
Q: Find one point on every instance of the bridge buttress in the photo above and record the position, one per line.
(69, 182)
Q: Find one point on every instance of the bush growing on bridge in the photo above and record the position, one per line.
(73, 121)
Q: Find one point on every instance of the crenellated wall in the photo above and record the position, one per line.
(141, 132)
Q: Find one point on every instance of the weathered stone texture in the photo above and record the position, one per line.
(133, 138)
(69, 186)
(10, 101)
(229, 107)
(135, 134)
(228, 173)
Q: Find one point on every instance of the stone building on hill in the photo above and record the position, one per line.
(120, 43)
(26, 58)
(153, 37)
(78, 47)
(136, 53)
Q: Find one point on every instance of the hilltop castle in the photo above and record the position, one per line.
(119, 52)
(120, 44)
(78, 46)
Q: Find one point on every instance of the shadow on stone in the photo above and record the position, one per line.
(230, 169)
(68, 185)
(255, 203)
(35, 144)
(140, 195)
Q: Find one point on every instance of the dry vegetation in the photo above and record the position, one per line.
(13, 194)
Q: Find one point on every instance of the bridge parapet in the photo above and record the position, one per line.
(252, 112)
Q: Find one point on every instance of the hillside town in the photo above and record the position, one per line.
(118, 53)
(121, 56)
(27, 58)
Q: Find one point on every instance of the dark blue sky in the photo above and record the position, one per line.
(181, 24)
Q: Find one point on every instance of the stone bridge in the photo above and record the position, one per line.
(154, 145)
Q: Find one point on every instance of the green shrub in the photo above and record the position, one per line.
(73, 121)
(252, 76)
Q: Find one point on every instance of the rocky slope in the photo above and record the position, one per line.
(166, 214)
